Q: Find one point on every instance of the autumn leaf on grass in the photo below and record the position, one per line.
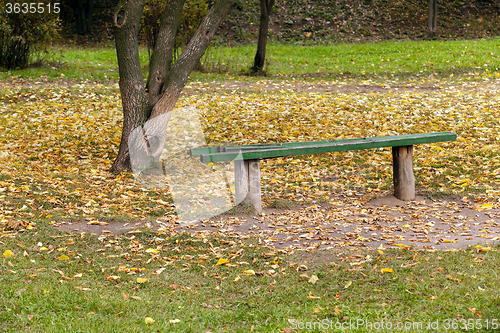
(348, 284)
(63, 257)
(82, 288)
(112, 277)
(249, 272)
(149, 320)
(484, 249)
(313, 279)
(141, 280)
(221, 261)
(452, 279)
(174, 321)
(318, 310)
(159, 271)
(8, 254)
(154, 251)
(237, 278)
(386, 270)
(474, 311)
(313, 297)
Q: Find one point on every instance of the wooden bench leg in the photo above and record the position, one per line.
(240, 181)
(254, 192)
(404, 180)
(247, 183)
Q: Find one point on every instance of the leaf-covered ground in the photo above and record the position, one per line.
(58, 142)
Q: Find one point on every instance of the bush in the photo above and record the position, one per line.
(24, 30)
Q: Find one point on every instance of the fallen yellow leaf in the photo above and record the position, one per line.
(318, 310)
(63, 257)
(149, 320)
(313, 297)
(484, 249)
(237, 278)
(113, 278)
(222, 261)
(142, 280)
(348, 284)
(152, 251)
(386, 270)
(313, 279)
(249, 272)
(8, 253)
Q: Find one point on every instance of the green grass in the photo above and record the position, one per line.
(96, 288)
(379, 61)
(74, 64)
(384, 59)
(58, 282)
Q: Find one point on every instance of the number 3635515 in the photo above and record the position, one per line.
(32, 8)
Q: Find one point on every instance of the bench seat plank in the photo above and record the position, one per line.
(302, 148)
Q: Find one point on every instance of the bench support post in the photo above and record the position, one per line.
(404, 180)
(247, 183)
(240, 181)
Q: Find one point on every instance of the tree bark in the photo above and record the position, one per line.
(432, 18)
(146, 110)
(260, 56)
(133, 94)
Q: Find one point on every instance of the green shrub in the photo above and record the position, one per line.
(25, 29)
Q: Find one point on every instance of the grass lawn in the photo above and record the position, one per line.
(60, 129)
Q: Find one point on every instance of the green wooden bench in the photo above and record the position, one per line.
(247, 168)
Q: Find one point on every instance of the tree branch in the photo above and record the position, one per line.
(161, 58)
(193, 52)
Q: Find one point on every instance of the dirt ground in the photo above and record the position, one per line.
(380, 223)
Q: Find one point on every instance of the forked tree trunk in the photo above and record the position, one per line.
(260, 56)
(432, 18)
(147, 108)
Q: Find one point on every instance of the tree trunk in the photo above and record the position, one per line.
(81, 21)
(432, 18)
(133, 94)
(90, 13)
(260, 56)
(146, 110)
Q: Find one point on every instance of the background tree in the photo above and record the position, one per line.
(260, 56)
(147, 105)
(83, 10)
(432, 18)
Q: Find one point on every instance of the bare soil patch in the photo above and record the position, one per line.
(448, 223)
